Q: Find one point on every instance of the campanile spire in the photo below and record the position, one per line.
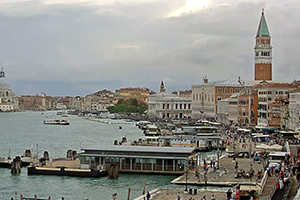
(263, 52)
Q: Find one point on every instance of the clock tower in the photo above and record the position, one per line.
(263, 52)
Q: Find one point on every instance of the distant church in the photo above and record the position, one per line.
(263, 52)
(8, 99)
(162, 88)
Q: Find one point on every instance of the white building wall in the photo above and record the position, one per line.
(203, 100)
(294, 111)
(8, 97)
(165, 105)
(233, 110)
(6, 107)
(228, 110)
(222, 114)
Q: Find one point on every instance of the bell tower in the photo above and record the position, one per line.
(162, 87)
(263, 52)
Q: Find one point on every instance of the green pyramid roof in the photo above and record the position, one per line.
(263, 28)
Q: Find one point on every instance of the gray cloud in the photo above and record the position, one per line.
(75, 49)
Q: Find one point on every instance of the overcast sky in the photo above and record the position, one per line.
(76, 47)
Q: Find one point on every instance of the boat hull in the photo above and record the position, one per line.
(65, 172)
(4, 164)
(56, 122)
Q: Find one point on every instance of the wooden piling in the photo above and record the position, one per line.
(129, 191)
(113, 171)
(27, 153)
(16, 165)
(46, 156)
(69, 153)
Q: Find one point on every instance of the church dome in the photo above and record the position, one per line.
(4, 84)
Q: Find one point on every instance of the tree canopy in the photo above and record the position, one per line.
(128, 106)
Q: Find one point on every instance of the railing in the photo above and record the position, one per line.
(148, 167)
(263, 181)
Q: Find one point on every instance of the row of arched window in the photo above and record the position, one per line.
(263, 53)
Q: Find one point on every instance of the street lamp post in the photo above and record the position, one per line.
(186, 176)
(218, 159)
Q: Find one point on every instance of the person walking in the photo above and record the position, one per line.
(148, 196)
(236, 167)
(229, 193)
(298, 179)
(178, 196)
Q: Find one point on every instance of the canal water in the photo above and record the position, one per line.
(25, 130)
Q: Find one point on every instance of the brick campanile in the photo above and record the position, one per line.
(263, 52)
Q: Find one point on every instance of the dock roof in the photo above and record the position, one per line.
(145, 149)
(141, 152)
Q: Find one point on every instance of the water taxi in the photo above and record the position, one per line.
(56, 122)
(62, 171)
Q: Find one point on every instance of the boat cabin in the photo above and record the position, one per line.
(151, 130)
(194, 130)
(139, 159)
(143, 124)
(199, 142)
(149, 140)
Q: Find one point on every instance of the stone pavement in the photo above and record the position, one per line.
(224, 176)
(167, 194)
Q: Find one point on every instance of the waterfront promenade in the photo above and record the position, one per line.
(225, 176)
(167, 194)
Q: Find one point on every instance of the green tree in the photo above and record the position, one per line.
(134, 102)
(128, 106)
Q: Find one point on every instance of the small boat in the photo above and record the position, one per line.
(7, 162)
(62, 171)
(56, 122)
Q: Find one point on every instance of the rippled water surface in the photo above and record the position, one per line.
(20, 131)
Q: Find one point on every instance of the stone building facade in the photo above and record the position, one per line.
(205, 97)
(169, 106)
(294, 110)
(8, 99)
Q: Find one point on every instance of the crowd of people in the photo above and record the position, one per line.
(246, 142)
